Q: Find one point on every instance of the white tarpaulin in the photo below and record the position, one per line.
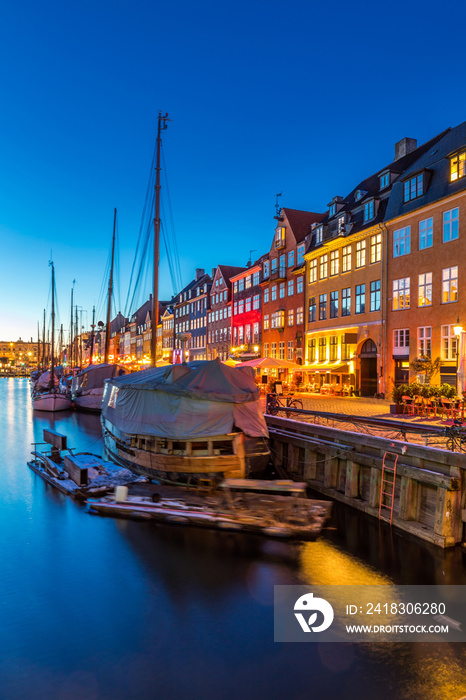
(200, 399)
(94, 376)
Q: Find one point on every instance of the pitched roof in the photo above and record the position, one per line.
(301, 221)
(228, 271)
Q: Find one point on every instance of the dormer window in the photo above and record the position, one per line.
(332, 210)
(457, 166)
(369, 210)
(279, 237)
(384, 180)
(341, 225)
(319, 232)
(357, 195)
(413, 188)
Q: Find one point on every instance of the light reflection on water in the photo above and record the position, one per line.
(101, 608)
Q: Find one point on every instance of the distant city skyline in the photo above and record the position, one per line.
(303, 100)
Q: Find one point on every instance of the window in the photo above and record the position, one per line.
(414, 187)
(266, 349)
(281, 350)
(369, 210)
(279, 237)
(334, 304)
(375, 295)
(278, 319)
(274, 264)
(300, 260)
(291, 258)
(247, 305)
(241, 284)
(401, 338)
(248, 333)
(323, 264)
(449, 341)
(273, 350)
(425, 289)
(299, 316)
(334, 262)
(376, 248)
(402, 241)
(319, 235)
(384, 180)
(424, 341)
(449, 284)
(290, 317)
(346, 302)
(311, 350)
(360, 299)
(322, 307)
(255, 279)
(450, 225)
(235, 287)
(281, 290)
(312, 309)
(255, 301)
(266, 269)
(341, 225)
(240, 334)
(322, 349)
(426, 230)
(457, 166)
(332, 210)
(290, 351)
(333, 348)
(248, 283)
(313, 271)
(241, 307)
(274, 292)
(290, 288)
(299, 285)
(401, 293)
(360, 253)
(266, 295)
(346, 259)
(235, 308)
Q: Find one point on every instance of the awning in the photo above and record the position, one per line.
(332, 369)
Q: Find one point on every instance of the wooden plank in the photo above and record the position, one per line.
(410, 499)
(310, 464)
(331, 472)
(352, 479)
(448, 514)
(374, 488)
(51, 437)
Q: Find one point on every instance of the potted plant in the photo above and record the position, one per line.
(397, 396)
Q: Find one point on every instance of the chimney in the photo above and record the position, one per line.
(200, 272)
(405, 146)
(214, 270)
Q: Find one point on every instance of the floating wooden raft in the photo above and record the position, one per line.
(271, 508)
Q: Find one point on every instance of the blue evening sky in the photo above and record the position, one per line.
(300, 98)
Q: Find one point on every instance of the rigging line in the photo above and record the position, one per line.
(141, 273)
(169, 258)
(170, 210)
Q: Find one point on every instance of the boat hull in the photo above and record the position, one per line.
(90, 401)
(50, 402)
(187, 462)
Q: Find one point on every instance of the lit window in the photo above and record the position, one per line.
(333, 355)
(312, 309)
(425, 289)
(375, 295)
(346, 301)
(346, 259)
(402, 241)
(323, 266)
(266, 349)
(278, 319)
(360, 253)
(279, 237)
(322, 307)
(334, 262)
(376, 248)
(322, 349)
(360, 299)
(369, 210)
(273, 350)
(458, 166)
(334, 304)
(299, 316)
(449, 284)
(424, 341)
(401, 293)
(449, 341)
(248, 282)
(281, 350)
(384, 180)
(313, 271)
(450, 224)
(290, 317)
(266, 322)
(426, 231)
(290, 350)
(311, 350)
(414, 187)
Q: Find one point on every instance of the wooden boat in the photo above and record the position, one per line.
(76, 474)
(181, 423)
(277, 509)
(48, 396)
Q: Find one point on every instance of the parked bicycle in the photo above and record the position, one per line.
(277, 403)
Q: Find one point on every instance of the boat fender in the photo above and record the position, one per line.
(155, 498)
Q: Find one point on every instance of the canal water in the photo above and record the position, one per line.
(98, 608)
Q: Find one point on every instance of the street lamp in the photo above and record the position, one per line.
(457, 330)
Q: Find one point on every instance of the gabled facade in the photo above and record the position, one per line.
(283, 271)
(219, 314)
(168, 334)
(190, 307)
(246, 318)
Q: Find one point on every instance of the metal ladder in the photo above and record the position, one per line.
(387, 484)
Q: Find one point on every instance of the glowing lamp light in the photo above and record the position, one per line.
(256, 348)
(458, 328)
(351, 367)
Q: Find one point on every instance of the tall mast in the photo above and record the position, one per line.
(71, 328)
(38, 346)
(52, 356)
(76, 336)
(162, 124)
(110, 292)
(60, 347)
(44, 354)
(92, 336)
